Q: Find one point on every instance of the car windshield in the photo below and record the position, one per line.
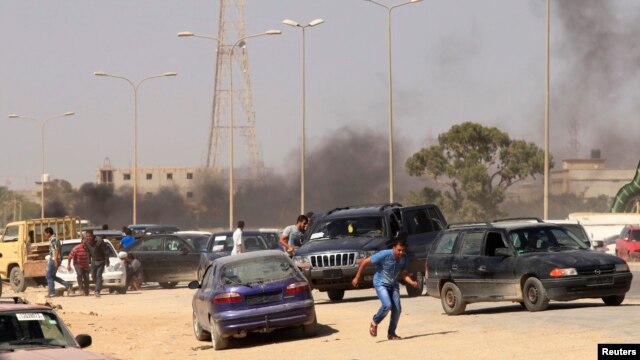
(545, 239)
(257, 270)
(349, 227)
(27, 329)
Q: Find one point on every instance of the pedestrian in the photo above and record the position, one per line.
(238, 245)
(127, 240)
(81, 260)
(391, 265)
(134, 272)
(291, 237)
(99, 258)
(55, 258)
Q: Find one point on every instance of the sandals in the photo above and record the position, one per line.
(373, 330)
(394, 337)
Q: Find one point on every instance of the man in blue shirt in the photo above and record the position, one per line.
(391, 265)
(128, 239)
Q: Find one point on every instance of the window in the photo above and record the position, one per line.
(126, 177)
(419, 223)
(189, 176)
(472, 243)
(11, 234)
(446, 243)
(149, 176)
(150, 244)
(494, 241)
(170, 176)
(189, 194)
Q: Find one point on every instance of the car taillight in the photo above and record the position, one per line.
(296, 288)
(227, 298)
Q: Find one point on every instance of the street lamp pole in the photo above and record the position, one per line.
(302, 131)
(268, 32)
(390, 89)
(545, 196)
(42, 124)
(135, 131)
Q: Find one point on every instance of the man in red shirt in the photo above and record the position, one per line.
(80, 257)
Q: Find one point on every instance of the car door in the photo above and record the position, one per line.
(465, 269)
(497, 271)
(421, 230)
(149, 251)
(180, 259)
(202, 298)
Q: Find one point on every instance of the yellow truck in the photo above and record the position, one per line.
(23, 249)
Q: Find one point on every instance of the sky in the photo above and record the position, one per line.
(453, 61)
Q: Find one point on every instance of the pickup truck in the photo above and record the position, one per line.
(340, 239)
(23, 248)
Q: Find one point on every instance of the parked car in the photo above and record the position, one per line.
(251, 292)
(197, 239)
(30, 331)
(221, 243)
(114, 276)
(529, 263)
(161, 229)
(628, 243)
(166, 259)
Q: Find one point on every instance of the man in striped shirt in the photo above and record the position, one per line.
(81, 260)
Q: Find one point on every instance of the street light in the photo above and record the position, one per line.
(389, 9)
(135, 131)
(302, 131)
(42, 123)
(545, 190)
(220, 42)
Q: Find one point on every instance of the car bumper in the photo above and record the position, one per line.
(110, 279)
(267, 318)
(573, 288)
(338, 278)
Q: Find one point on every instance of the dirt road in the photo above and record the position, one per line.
(156, 324)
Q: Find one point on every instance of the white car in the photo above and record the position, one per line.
(114, 276)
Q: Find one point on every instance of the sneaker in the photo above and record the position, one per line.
(97, 295)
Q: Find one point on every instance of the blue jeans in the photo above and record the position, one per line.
(97, 269)
(390, 298)
(52, 269)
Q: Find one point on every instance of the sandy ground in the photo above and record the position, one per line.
(156, 324)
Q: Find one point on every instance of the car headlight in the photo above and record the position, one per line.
(363, 255)
(558, 272)
(300, 259)
(622, 267)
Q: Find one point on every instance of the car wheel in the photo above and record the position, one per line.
(336, 294)
(217, 341)
(168, 285)
(200, 333)
(17, 280)
(413, 292)
(451, 299)
(311, 329)
(613, 300)
(122, 290)
(535, 295)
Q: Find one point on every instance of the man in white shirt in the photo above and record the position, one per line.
(238, 247)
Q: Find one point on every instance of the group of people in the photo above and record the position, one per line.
(289, 240)
(90, 256)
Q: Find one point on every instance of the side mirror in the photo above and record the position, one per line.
(597, 244)
(194, 285)
(504, 252)
(84, 340)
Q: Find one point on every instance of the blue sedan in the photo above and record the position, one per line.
(251, 292)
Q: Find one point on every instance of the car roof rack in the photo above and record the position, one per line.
(14, 299)
(338, 209)
(468, 224)
(537, 219)
(388, 205)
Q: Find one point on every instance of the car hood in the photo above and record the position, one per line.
(342, 244)
(574, 258)
(53, 353)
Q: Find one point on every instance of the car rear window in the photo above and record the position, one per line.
(258, 270)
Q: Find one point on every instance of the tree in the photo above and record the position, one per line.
(474, 165)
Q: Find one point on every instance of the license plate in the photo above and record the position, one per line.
(600, 280)
(332, 274)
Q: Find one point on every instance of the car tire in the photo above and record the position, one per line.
(335, 294)
(613, 300)
(121, 290)
(451, 298)
(535, 295)
(17, 280)
(218, 342)
(310, 330)
(168, 285)
(413, 292)
(200, 333)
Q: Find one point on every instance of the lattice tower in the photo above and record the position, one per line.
(573, 144)
(231, 27)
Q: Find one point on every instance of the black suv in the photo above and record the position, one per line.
(529, 263)
(339, 240)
